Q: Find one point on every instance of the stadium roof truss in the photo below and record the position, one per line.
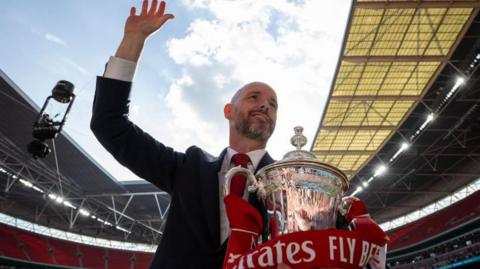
(67, 190)
(56, 194)
(392, 52)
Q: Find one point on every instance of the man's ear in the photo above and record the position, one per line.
(227, 111)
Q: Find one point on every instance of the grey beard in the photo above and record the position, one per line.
(255, 132)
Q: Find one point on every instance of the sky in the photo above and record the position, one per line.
(188, 70)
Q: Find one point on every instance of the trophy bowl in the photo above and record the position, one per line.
(299, 192)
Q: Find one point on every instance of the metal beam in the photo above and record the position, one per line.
(343, 152)
(108, 195)
(124, 209)
(45, 178)
(377, 191)
(387, 58)
(375, 98)
(422, 4)
(355, 128)
(448, 174)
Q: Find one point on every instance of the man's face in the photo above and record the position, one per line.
(253, 111)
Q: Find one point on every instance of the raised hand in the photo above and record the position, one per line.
(148, 21)
(139, 27)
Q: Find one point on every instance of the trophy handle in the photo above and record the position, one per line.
(252, 182)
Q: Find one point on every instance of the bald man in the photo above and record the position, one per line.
(197, 227)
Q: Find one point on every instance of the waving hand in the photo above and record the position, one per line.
(139, 27)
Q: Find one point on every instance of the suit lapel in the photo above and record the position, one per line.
(266, 160)
(210, 197)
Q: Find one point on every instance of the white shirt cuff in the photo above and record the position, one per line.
(120, 69)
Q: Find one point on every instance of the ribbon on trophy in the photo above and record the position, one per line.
(329, 248)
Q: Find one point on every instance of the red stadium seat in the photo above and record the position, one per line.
(65, 252)
(119, 259)
(92, 257)
(8, 245)
(142, 260)
(35, 246)
(47, 250)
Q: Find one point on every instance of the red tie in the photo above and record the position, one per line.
(237, 184)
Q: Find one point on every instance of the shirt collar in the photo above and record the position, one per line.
(255, 156)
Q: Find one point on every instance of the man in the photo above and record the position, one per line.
(197, 227)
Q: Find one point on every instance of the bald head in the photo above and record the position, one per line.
(252, 86)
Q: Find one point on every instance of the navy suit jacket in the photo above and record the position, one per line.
(191, 238)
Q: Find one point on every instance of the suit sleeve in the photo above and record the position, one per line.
(132, 147)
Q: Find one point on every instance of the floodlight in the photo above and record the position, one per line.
(37, 189)
(67, 203)
(84, 212)
(430, 117)
(122, 229)
(404, 146)
(26, 183)
(460, 81)
(380, 170)
(59, 199)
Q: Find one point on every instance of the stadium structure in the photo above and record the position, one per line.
(402, 121)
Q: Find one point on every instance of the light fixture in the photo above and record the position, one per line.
(26, 183)
(67, 203)
(37, 189)
(380, 170)
(430, 118)
(122, 229)
(365, 184)
(59, 199)
(84, 212)
(404, 146)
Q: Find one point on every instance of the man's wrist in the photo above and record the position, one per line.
(131, 47)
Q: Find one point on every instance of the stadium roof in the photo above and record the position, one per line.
(79, 182)
(403, 106)
(392, 53)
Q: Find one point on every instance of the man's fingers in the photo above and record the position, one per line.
(144, 8)
(132, 11)
(164, 19)
(153, 7)
(161, 9)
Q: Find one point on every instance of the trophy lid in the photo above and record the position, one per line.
(298, 140)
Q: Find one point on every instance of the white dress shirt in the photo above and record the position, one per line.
(122, 69)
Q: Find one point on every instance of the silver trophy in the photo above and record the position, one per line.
(300, 192)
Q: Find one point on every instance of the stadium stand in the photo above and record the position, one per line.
(65, 252)
(42, 252)
(9, 245)
(460, 252)
(449, 218)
